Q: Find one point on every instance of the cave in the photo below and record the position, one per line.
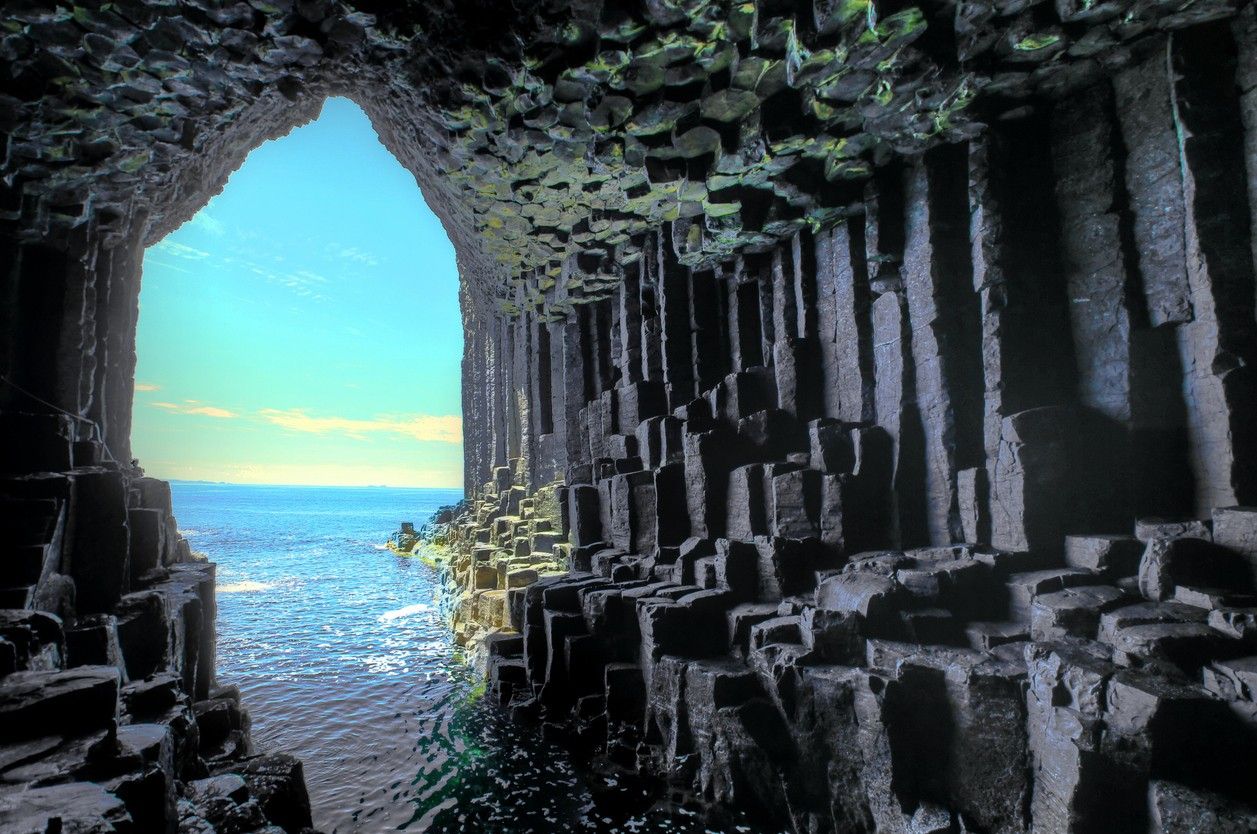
(858, 398)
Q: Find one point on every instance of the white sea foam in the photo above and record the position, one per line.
(408, 611)
(246, 587)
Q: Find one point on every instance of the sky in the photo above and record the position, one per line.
(303, 327)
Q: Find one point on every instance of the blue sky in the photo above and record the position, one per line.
(303, 327)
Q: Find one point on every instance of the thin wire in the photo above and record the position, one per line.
(95, 426)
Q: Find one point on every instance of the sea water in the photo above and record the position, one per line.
(342, 657)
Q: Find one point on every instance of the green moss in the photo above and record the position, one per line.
(697, 141)
(846, 169)
(883, 92)
(135, 162)
(852, 10)
(626, 31)
(721, 209)
(609, 62)
(657, 118)
(896, 29)
(573, 33)
(742, 19)
(546, 190)
(729, 105)
(691, 192)
(715, 57)
(1033, 43)
(822, 110)
(790, 145)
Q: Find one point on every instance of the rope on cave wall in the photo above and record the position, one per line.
(99, 435)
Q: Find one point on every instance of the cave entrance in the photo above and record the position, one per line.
(303, 327)
(298, 361)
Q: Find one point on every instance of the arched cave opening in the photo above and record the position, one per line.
(298, 348)
(303, 327)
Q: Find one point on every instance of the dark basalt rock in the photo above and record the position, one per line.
(72, 701)
(98, 726)
(277, 782)
(77, 806)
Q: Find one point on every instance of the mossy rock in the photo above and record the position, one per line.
(728, 106)
(897, 29)
(696, 142)
(721, 210)
(831, 16)
(659, 118)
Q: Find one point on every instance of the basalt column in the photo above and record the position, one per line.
(927, 500)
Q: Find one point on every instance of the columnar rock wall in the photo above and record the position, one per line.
(932, 518)
(882, 374)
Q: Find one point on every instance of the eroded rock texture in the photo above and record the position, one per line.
(874, 380)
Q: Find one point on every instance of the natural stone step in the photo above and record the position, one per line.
(77, 806)
(65, 702)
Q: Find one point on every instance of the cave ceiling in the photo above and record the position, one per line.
(548, 136)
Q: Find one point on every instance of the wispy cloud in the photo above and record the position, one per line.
(146, 386)
(444, 428)
(248, 251)
(179, 250)
(301, 282)
(194, 407)
(206, 223)
(149, 260)
(353, 254)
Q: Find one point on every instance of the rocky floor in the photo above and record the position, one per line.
(960, 688)
(490, 552)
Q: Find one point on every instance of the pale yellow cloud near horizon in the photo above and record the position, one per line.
(146, 386)
(192, 407)
(309, 474)
(444, 428)
(431, 428)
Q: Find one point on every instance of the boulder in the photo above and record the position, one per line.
(277, 782)
(1167, 563)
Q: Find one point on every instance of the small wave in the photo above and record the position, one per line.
(246, 587)
(380, 546)
(408, 611)
(186, 533)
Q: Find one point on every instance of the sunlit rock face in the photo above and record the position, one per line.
(881, 375)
